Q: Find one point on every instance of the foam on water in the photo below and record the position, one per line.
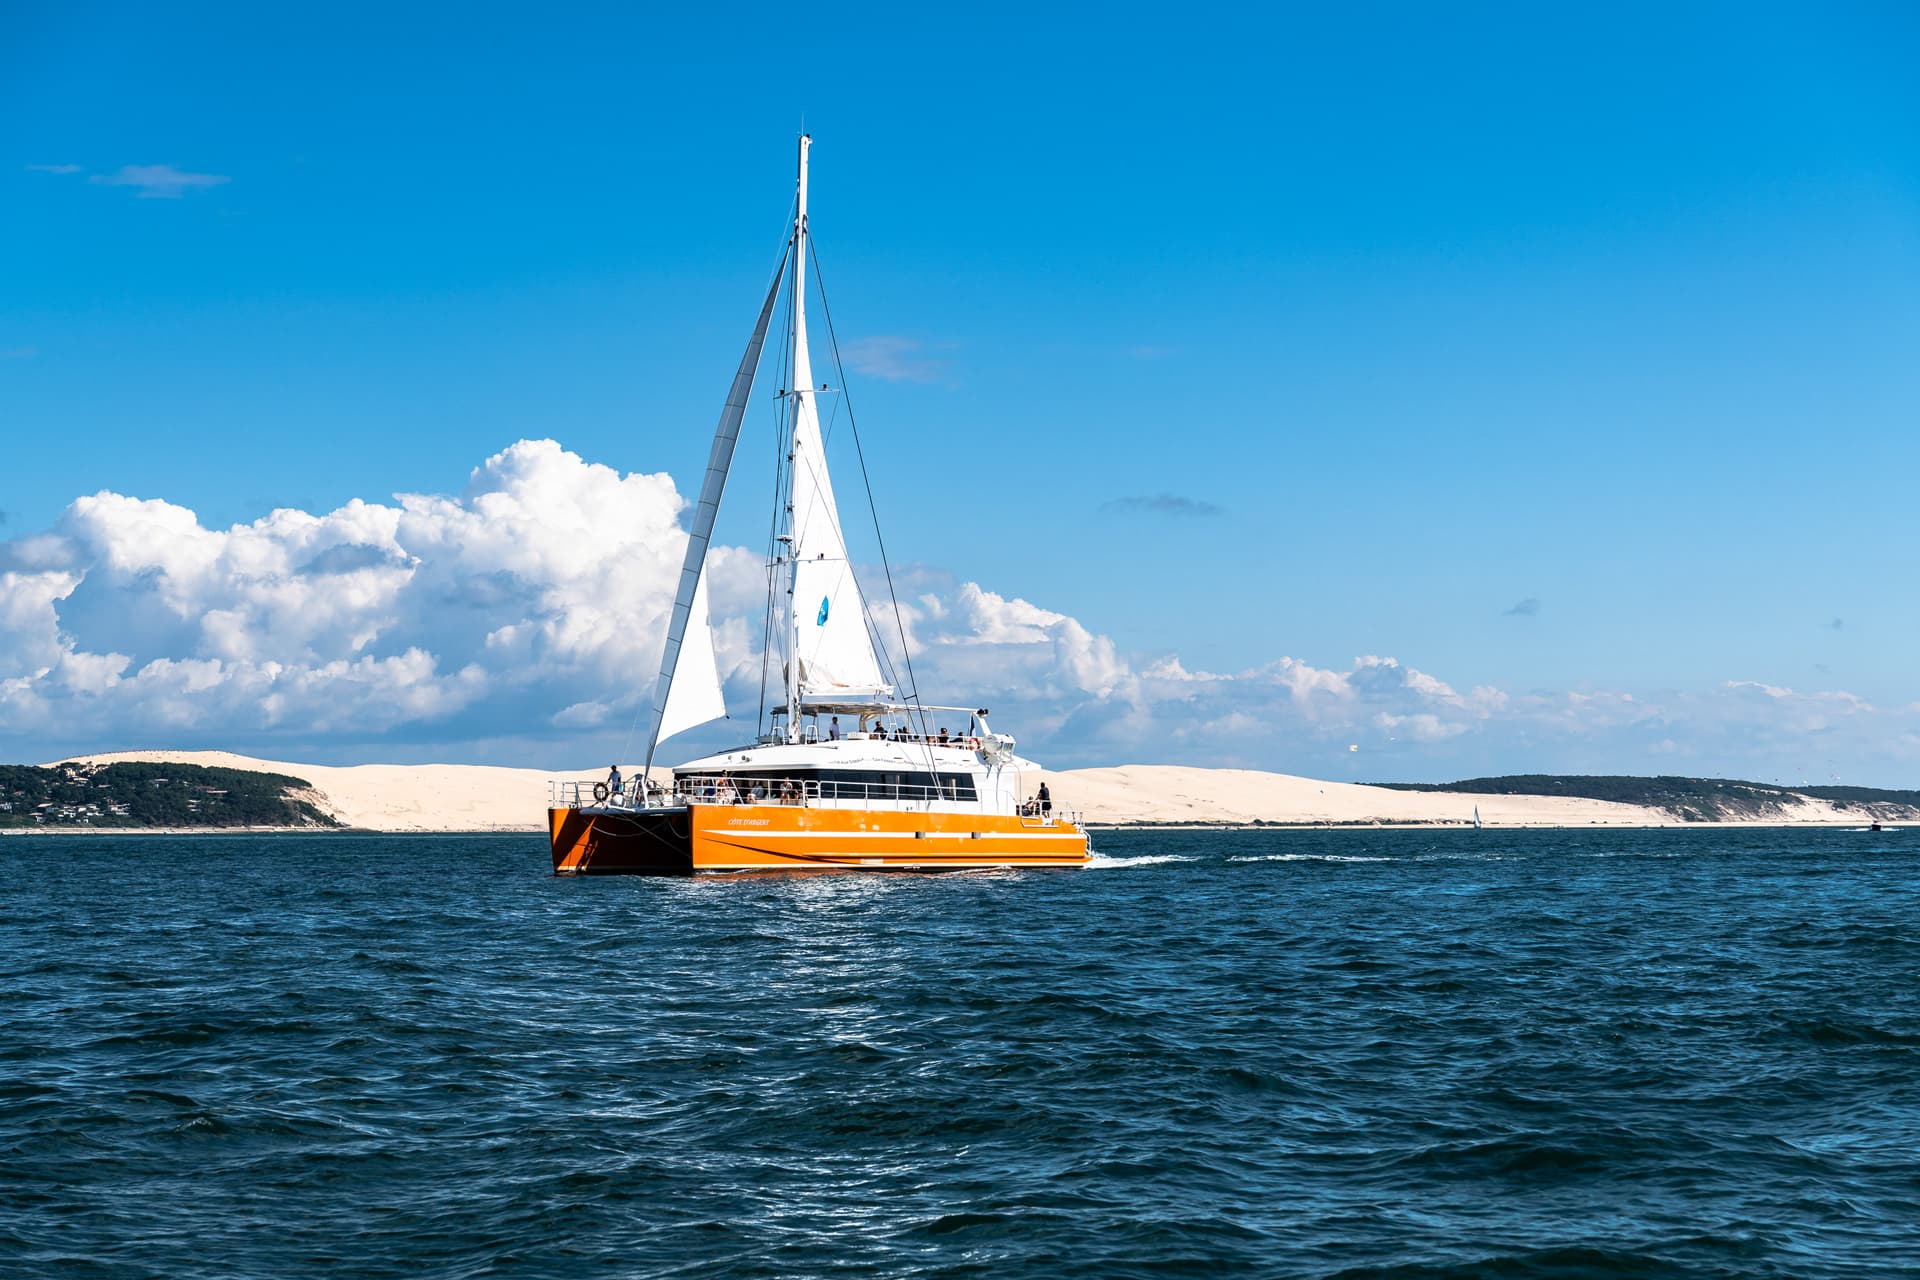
(1272, 1053)
(1309, 857)
(1102, 861)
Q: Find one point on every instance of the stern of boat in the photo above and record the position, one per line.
(598, 840)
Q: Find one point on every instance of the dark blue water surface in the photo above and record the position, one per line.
(1402, 1053)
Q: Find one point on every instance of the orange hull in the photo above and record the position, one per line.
(772, 837)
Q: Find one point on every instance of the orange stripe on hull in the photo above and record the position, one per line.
(780, 837)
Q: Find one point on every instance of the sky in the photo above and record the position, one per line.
(1402, 393)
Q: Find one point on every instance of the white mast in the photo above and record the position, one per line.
(831, 658)
(802, 382)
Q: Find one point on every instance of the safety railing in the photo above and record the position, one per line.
(725, 789)
(798, 792)
(570, 793)
(962, 741)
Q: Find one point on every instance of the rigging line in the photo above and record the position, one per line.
(873, 633)
(873, 509)
(773, 528)
(781, 416)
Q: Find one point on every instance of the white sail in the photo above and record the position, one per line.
(690, 625)
(832, 648)
(693, 694)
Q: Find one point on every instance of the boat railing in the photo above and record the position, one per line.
(798, 792)
(577, 793)
(961, 741)
(725, 789)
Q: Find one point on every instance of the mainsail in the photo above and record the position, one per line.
(833, 653)
(688, 693)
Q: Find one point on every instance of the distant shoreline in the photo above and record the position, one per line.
(491, 799)
(1097, 827)
(258, 831)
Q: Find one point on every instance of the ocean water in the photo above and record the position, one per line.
(1280, 1053)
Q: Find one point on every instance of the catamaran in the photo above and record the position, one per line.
(851, 772)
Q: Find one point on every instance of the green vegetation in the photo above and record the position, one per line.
(153, 795)
(1689, 799)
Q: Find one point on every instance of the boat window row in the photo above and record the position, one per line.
(742, 786)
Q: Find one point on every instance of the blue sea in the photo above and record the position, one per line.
(1271, 1053)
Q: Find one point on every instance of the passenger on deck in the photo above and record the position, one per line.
(833, 730)
(759, 792)
(786, 791)
(613, 783)
(1046, 801)
(943, 735)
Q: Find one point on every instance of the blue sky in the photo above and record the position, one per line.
(1417, 315)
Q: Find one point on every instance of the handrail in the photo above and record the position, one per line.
(720, 788)
(959, 741)
(573, 793)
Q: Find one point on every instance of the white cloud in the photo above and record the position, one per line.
(130, 614)
(156, 181)
(531, 606)
(896, 359)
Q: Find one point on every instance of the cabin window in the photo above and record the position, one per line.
(860, 784)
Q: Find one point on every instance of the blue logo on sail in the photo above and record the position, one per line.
(821, 621)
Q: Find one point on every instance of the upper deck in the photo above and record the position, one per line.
(892, 772)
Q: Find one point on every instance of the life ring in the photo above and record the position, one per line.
(600, 793)
(973, 744)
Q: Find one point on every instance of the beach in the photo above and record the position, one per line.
(459, 797)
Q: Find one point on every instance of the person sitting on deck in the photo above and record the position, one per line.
(943, 735)
(786, 791)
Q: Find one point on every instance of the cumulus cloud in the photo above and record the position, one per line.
(159, 181)
(131, 617)
(531, 606)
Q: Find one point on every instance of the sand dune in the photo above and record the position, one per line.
(1171, 793)
(399, 797)
(444, 797)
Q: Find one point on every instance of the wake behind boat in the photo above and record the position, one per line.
(851, 774)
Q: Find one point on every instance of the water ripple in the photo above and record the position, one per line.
(1282, 1053)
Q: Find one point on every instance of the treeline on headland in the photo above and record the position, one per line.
(1688, 799)
(153, 795)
